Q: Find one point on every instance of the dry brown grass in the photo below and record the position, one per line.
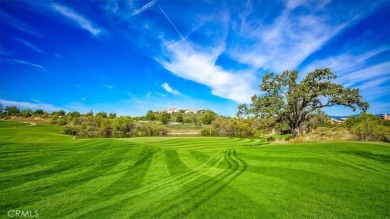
(323, 134)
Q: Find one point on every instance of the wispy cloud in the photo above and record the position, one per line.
(344, 62)
(366, 74)
(291, 37)
(352, 70)
(144, 8)
(29, 105)
(108, 86)
(19, 61)
(28, 44)
(11, 21)
(169, 89)
(78, 19)
(201, 68)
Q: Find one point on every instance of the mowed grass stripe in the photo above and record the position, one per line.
(54, 183)
(141, 195)
(84, 190)
(130, 182)
(124, 178)
(64, 166)
(121, 182)
(194, 196)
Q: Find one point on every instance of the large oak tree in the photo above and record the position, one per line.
(290, 101)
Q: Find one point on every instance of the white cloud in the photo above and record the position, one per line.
(351, 69)
(290, 38)
(28, 44)
(366, 75)
(108, 86)
(343, 63)
(144, 8)
(22, 104)
(19, 61)
(169, 89)
(201, 68)
(77, 18)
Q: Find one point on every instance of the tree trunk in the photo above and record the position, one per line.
(295, 132)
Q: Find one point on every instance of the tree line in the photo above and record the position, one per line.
(285, 106)
(365, 127)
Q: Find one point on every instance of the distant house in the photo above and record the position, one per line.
(385, 116)
(160, 111)
(190, 111)
(173, 110)
(343, 119)
(337, 121)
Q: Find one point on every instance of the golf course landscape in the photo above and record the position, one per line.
(57, 176)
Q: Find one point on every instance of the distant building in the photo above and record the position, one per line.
(190, 111)
(385, 116)
(173, 110)
(337, 121)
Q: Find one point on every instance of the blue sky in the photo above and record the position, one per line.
(131, 56)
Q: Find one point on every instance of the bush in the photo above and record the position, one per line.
(368, 127)
(207, 132)
(271, 139)
(69, 130)
(258, 134)
(297, 140)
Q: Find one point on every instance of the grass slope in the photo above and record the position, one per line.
(170, 177)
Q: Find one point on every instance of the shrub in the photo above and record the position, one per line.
(297, 140)
(368, 127)
(271, 139)
(69, 130)
(207, 132)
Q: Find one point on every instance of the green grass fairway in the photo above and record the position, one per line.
(194, 177)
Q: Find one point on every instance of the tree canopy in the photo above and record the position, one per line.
(286, 100)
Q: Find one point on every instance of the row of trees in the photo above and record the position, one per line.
(122, 126)
(256, 127)
(104, 124)
(15, 111)
(207, 116)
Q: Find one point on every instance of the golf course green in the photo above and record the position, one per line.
(56, 176)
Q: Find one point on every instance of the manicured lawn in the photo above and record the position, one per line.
(170, 177)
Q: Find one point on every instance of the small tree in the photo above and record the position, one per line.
(26, 113)
(165, 117)
(208, 117)
(58, 113)
(150, 116)
(123, 124)
(89, 114)
(39, 112)
(179, 118)
(12, 110)
(287, 100)
(106, 129)
(102, 114)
